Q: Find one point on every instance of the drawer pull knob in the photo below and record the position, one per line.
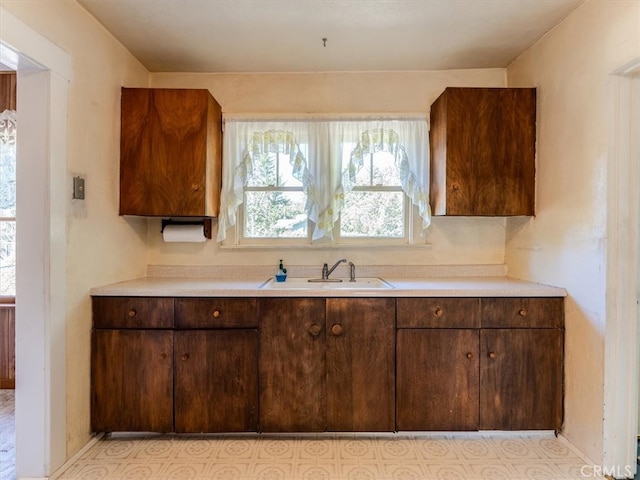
(315, 329)
(438, 312)
(216, 313)
(163, 356)
(492, 354)
(185, 356)
(337, 330)
(455, 187)
(132, 313)
(522, 313)
(469, 355)
(195, 187)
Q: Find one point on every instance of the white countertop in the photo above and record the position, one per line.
(491, 286)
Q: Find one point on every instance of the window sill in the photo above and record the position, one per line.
(330, 247)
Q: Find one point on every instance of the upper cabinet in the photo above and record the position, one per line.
(170, 153)
(483, 152)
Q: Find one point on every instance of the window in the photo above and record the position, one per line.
(274, 200)
(376, 207)
(329, 181)
(8, 203)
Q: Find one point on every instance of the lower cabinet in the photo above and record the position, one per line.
(215, 381)
(437, 379)
(327, 364)
(487, 378)
(521, 379)
(292, 365)
(195, 374)
(132, 380)
(192, 365)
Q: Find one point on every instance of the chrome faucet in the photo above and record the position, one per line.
(352, 272)
(326, 271)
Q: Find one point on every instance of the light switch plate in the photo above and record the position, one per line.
(78, 188)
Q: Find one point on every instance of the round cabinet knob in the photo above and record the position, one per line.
(185, 356)
(492, 354)
(337, 330)
(163, 356)
(195, 187)
(469, 355)
(522, 312)
(216, 313)
(131, 313)
(315, 329)
(455, 187)
(438, 312)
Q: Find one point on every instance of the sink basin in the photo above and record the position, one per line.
(372, 283)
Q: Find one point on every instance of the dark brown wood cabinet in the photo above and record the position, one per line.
(327, 364)
(216, 388)
(194, 365)
(438, 364)
(360, 364)
(132, 380)
(292, 365)
(483, 152)
(187, 365)
(489, 364)
(521, 366)
(170, 153)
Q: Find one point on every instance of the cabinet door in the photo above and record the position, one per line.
(483, 151)
(132, 380)
(361, 364)
(292, 365)
(437, 379)
(166, 145)
(216, 381)
(521, 379)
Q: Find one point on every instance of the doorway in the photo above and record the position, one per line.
(8, 125)
(622, 337)
(43, 74)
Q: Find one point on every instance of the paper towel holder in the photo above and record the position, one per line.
(206, 222)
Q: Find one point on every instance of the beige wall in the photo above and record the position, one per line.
(101, 246)
(451, 240)
(565, 244)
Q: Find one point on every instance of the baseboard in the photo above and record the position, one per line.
(73, 459)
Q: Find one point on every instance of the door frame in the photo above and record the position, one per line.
(44, 72)
(621, 380)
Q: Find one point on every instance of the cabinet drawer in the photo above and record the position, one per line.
(522, 313)
(216, 313)
(438, 312)
(132, 312)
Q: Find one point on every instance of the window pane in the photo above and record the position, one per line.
(373, 214)
(264, 170)
(385, 171)
(7, 258)
(273, 169)
(274, 215)
(7, 180)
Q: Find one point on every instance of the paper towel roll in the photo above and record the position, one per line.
(183, 233)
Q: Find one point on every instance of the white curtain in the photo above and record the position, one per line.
(320, 161)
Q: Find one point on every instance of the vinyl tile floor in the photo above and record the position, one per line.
(448, 456)
(7, 435)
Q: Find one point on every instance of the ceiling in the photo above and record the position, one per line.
(361, 35)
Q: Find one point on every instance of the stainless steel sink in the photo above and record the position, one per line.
(371, 283)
